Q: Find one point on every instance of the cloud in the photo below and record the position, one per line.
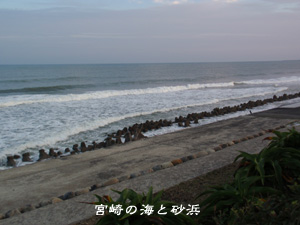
(228, 1)
(202, 31)
(170, 2)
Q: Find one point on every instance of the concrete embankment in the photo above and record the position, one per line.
(137, 165)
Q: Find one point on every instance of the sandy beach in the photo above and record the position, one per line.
(137, 165)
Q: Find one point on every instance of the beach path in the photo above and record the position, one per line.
(40, 182)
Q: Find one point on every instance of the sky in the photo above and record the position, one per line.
(148, 31)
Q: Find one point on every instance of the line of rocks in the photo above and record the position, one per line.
(175, 162)
(135, 132)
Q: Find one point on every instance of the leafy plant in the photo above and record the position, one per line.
(260, 184)
(129, 198)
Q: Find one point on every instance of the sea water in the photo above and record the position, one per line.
(57, 106)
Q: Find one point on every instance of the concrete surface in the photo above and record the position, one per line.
(41, 181)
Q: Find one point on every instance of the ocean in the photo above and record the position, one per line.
(57, 106)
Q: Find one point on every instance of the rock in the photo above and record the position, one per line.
(52, 153)
(128, 137)
(196, 120)
(27, 208)
(200, 154)
(187, 123)
(184, 159)
(180, 124)
(230, 143)
(2, 216)
(138, 135)
(68, 195)
(209, 151)
(83, 147)
(26, 157)
(12, 212)
(118, 140)
(95, 186)
(17, 156)
(56, 200)
(110, 182)
(167, 165)
(82, 191)
(11, 161)
(90, 147)
(176, 162)
(109, 142)
(119, 133)
(59, 153)
(218, 148)
(100, 145)
(44, 203)
(190, 157)
(224, 145)
(43, 155)
(67, 150)
(158, 167)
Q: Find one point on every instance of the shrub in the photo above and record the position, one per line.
(265, 189)
(130, 198)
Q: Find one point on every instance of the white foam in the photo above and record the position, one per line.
(276, 81)
(73, 128)
(30, 99)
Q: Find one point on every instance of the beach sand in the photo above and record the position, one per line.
(38, 183)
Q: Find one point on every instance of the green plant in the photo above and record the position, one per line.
(262, 185)
(231, 196)
(129, 198)
(285, 139)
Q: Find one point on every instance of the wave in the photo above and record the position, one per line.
(40, 89)
(107, 94)
(63, 135)
(46, 98)
(280, 80)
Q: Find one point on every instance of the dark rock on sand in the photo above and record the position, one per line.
(67, 150)
(27, 208)
(109, 142)
(118, 140)
(12, 212)
(17, 156)
(52, 153)
(90, 147)
(26, 157)
(11, 161)
(43, 155)
(128, 137)
(187, 123)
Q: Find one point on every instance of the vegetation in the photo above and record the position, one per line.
(129, 198)
(265, 190)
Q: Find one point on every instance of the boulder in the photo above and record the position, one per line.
(52, 153)
(83, 147)
(100, 145)
(26, 157)
(67, 150)
(187, 123)
(43, 155)
(109, 142)
(90, 147)
(11, 161)
(12, 212)
(128, 137)
(17, 156)
(118, 140)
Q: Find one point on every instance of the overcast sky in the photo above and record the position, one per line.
(138, 31)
